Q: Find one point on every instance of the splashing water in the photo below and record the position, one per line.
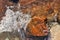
(14, 21)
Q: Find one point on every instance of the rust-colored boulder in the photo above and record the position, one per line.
(36, 26)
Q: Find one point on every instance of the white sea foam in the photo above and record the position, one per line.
(14, 20)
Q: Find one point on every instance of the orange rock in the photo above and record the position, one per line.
(36, 26)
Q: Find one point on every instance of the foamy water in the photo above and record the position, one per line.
(14, 21)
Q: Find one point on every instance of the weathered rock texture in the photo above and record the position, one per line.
(49, 8)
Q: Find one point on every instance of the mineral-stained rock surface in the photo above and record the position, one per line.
(49, 9)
